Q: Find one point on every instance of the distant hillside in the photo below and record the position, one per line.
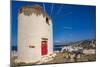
(83, 43)
(86, 44)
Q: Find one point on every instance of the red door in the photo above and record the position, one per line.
(44, 49)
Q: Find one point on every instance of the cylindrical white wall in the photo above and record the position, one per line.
(31, 29)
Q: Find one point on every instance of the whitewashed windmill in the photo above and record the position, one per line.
(35, 34)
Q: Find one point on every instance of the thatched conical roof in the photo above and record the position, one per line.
(36, 9)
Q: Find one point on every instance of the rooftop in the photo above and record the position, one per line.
(36, 9)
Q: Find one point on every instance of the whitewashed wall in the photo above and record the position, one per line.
(30, 31)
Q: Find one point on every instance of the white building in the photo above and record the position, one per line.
(14, 53)
(71, 48)
(35, 34)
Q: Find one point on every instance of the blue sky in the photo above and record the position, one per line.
(70, 22)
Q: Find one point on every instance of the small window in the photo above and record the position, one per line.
(31, 46)
(47, 20)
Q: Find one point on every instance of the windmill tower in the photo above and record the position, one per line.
(35, 34)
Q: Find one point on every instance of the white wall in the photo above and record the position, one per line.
(31, 30)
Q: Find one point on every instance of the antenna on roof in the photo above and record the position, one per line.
(51, 9)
